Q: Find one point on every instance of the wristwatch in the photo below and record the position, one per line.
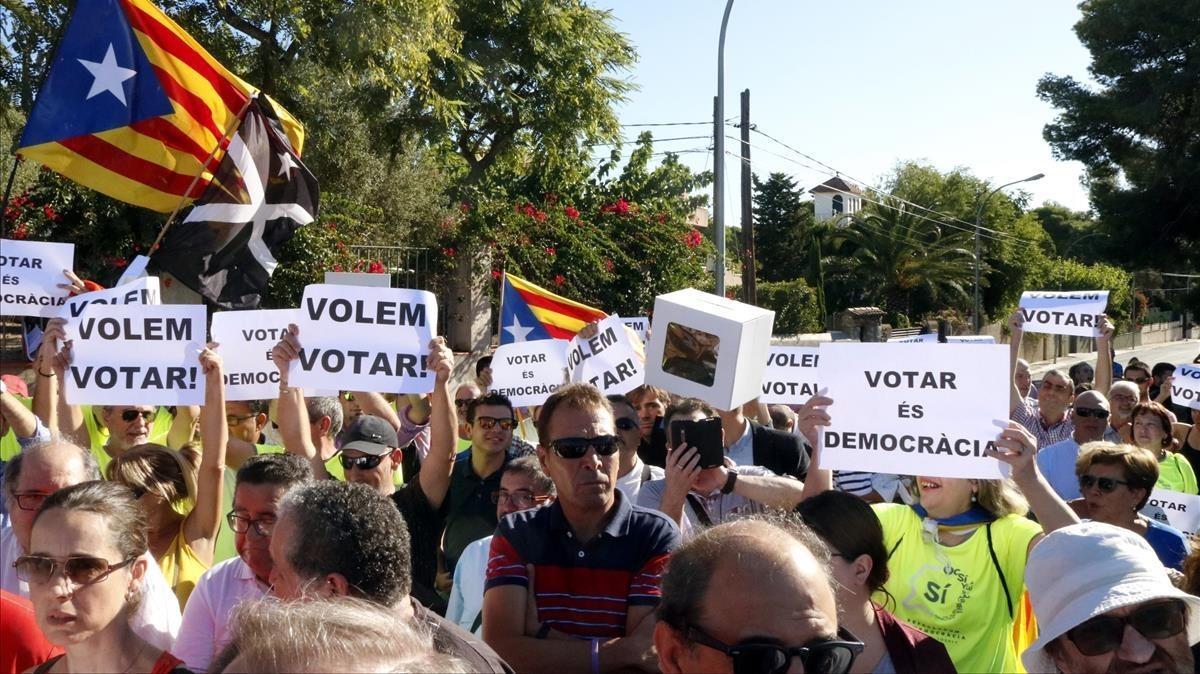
(730, 481)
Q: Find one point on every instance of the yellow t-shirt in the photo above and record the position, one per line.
(1176, 474)
(182, 568)
(333, 466)
(98, 434)
(954, 594)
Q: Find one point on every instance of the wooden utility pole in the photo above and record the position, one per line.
(749, 288)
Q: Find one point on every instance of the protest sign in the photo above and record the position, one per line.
(246, 339)
(916, 409)
(708, 347)
(1175, 509)
(30, 272)
(1185, 386)
(640, 325)
(932, 338)
(610, 360)
(358, 278)
(136, 355)
(791, 375)
(1071, 312)
(142, 291)
(914, 339)
(528, 372)
(364, 339)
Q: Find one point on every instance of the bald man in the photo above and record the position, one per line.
(750, 584)
(1089, 416)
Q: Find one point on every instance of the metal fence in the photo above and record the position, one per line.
(410, 268)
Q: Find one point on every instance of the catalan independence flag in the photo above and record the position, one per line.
(531, 312)
(133, 107)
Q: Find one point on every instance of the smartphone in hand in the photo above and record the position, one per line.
(704, 435)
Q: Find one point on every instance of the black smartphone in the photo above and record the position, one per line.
(704, 435)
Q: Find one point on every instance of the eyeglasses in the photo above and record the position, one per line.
(1138, 380)
(828, 656)
(624, 424)
(488, 423)
(366, 462)
(462, 402)
(519, 499)
(79, 569)
(348, 397)
(1104, 633)
(1087, 412)
(30, 501)
(234, 420)
(576, 448)
(129, 415)
(240, 525)
(1106, 484)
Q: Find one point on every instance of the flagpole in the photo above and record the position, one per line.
(500, 314)
(237, 122)
(12, 173)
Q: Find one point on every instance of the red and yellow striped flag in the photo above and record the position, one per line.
(531, 312)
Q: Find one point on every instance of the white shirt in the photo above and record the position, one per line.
(157, 617)
(466, 597)
(631, 482)
(741, 451)
(720, 507)
(206, 616)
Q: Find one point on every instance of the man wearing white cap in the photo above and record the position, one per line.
(1117, 613)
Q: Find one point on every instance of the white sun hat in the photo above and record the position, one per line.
(1084, 570)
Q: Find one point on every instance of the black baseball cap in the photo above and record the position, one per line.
(370, 435)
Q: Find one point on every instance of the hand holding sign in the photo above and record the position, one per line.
(440, 360)
(1020, 450)
(285, 351)
(1063, 313)
(29, 274)
(812, 416)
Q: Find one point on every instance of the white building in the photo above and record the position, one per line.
(836, 197)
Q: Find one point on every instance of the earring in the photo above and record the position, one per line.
(973, 499)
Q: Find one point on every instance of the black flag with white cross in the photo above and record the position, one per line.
(226, 248)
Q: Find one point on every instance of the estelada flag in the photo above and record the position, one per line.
(531, 312)
(133, 107)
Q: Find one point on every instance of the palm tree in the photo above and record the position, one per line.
(892, 253)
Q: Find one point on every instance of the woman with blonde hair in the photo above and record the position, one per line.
(84, 569)
(180, 491)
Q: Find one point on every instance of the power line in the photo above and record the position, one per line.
(652, 140)
(709, 123)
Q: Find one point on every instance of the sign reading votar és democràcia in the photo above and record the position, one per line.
(30, 273)
(136, 354)
(1185, 385)
(1175, 509)
(529, 372)
(246, 339)
(791, 375)
(613, 360)
(913, 409)
(364, 339)
(1068, 312)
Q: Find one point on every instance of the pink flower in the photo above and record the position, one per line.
(20, 231)
(337, 267)
(496, 274)
(376, 267)
(49, 213)
(540, 216)
(693, 238)
(464, 207)
(609, 265)
(559, 280)
(550, 251)
(449, 251)
(621, 207)
(571, 212)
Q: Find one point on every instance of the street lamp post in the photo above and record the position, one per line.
(978, 260)
(719, 158)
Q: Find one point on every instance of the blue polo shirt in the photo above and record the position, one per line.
(584, 590)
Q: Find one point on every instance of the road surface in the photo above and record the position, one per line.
(1172, 352)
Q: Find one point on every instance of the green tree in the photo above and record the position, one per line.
(1136, 126)
(1075, 234)
(783, 226)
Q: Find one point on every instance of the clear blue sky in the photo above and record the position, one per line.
(862, 84)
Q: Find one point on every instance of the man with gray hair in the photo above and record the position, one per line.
(1089, 419)
(1123, 396)
(749, 596)
(36, 473)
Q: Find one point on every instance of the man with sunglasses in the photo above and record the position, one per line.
(750, 597)
(632, 472)
(1089, 420)
(1118, 612)
(572, 586)
(1139, 374)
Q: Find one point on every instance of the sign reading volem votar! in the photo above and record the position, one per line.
(610, 360)
(364, 339)
(1070, 312)
(791, 375)
(30, 273)
(1185, 385)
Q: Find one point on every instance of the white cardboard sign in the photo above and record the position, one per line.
(364, 339)
(1185, 386)
(1071, 312)
(791, 375)
(137, 355)
(30, 272)
(246, 339)
(142, 291)
(1176, 509)
(611, 360)
(932, 338)
(914, 339)
(640, 325)
(913, 409)
(529, 372)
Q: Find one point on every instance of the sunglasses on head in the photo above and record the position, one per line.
(1086, 412)
(129, 415)
(1104, 633)
(488, 423)
(823, 656)
(1106, 484)
(576, 448)
(624, 424)
(365, 462)
(79, 569)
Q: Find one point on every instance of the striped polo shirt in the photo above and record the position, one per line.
(584, 590)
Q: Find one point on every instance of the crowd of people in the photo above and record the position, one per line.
(452, 532)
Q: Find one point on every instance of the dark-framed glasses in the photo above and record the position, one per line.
(129, 415)
(1087, 412)
(1106, 484)
(241, 524)
(30, 500)
(1104, 633)
(626, 424)
(576, 448)
(79, 569)
(365, 462)
(823, 656)
(488, 423)
(519, 499)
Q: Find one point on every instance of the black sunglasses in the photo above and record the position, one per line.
(1086, 412)
(1106, 484)
(129, 415)
(366, 462)
(488, 423)
(577, 448)
(624, 424)
(1104, 633)
(826, 656)
(79, 569)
